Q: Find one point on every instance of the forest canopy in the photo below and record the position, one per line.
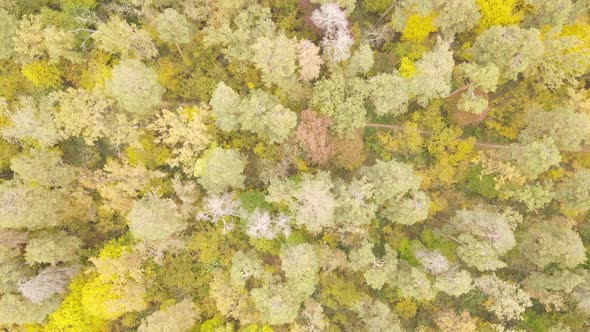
(294, 165)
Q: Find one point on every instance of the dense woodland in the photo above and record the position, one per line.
(294, 165)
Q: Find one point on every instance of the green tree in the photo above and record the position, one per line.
(179, 317)
(392, 180)
(455, 16)
(219, 170)
(567, 128)
(377, 316)
(361, 61)
(545, 243)
(118, 37)
(52, 248)
(243, 267)
(512, 49)
(262, 114)
(135, 87)
(28, 207)
(7, 32)
(16, 309)
(507, 301)
(153, 218)
(185, 132)
(565, 60)
(224, 105)
(275, 58)
(389, 94)
(533, 158)
(377, 271)
(311, 200)
(433, 74)
(79, 112)
(174, 28)
(42, 168)
(574, 193)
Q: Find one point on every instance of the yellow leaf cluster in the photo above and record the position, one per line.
(497, 12)
(418, 28)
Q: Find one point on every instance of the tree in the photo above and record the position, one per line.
(52, 248)
(311, 201)
(337, 39)
(261, 113)
(392, 180)
(377, 271)
(533, 158)
(355, 208)
(448, 321)
(30, 122)
(243, 267)
(481, 80)
(574, 193)
(305, 276)
(224, 105)
(153, 218)
(119, 37)
(179, 317)
(23, 206)
(310, 63)
(361, 61)
(567, 128)
(546, 243)
(277, 302)
(543, 13)
(237, 38)
(407, 211)
(377, 316)
(174, 28)
(261, 225)
(433, 74)
(135, 87)
(413, 282)
(343, 100)
(8, 29)
(42, 75)
(42, 168)
(50, 281)
(79, 112)
(16, 309)
(491, 227)
(511, 49)
(219, 170)
(455, 16)
(389, 94)
(275, 57)
(507, 300)
(417, 28)
(479, 254)
(565, 60)
(220, 207)
(454, 282)
(185, 132)
(313, 135)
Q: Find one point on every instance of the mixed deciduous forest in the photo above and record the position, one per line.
(294, 165)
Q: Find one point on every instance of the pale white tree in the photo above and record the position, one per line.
(337, 38)
(50, 281)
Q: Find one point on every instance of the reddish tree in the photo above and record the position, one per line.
(314, 137)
